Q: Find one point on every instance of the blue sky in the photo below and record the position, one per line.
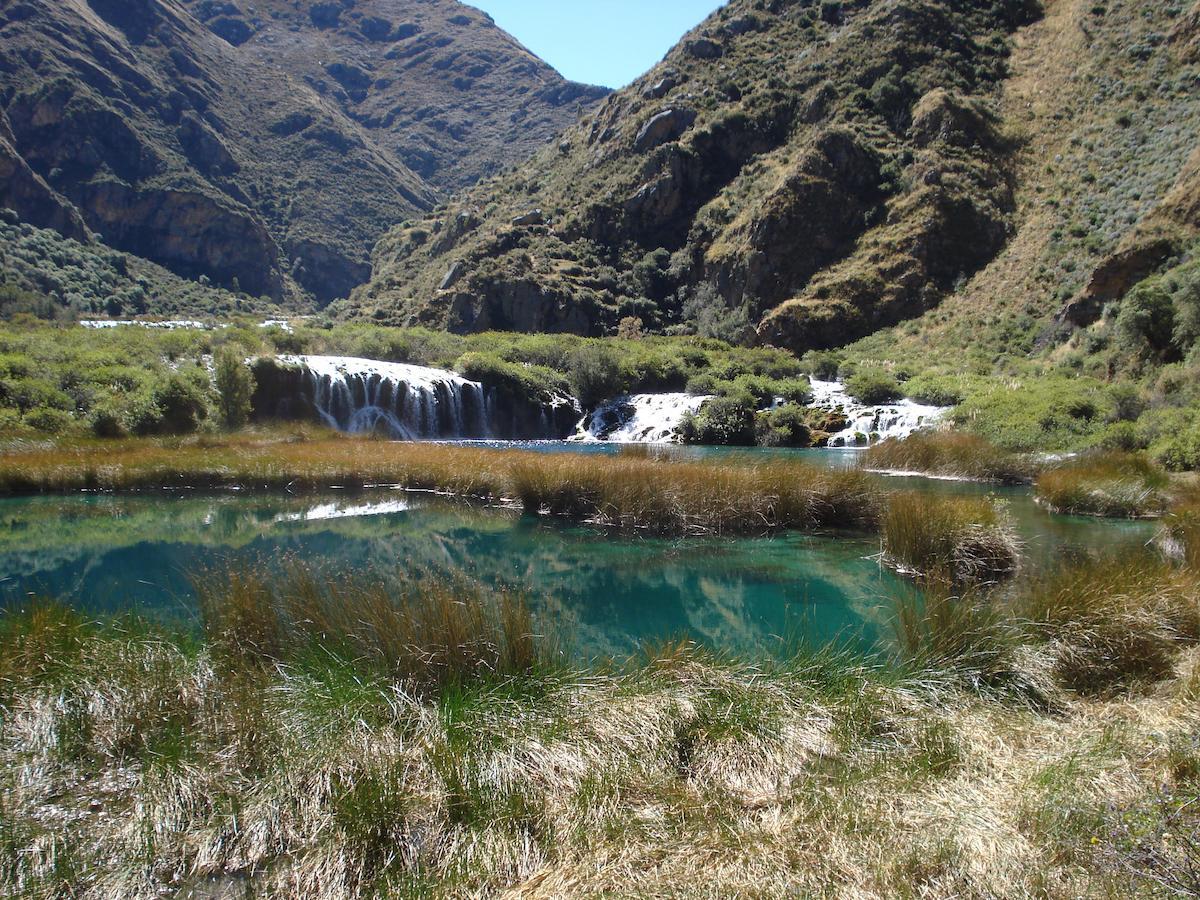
(609, 42)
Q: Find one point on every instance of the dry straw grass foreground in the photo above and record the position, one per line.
(454, 761)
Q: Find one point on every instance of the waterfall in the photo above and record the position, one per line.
(639, 419)
(875, 423)
(411, 403)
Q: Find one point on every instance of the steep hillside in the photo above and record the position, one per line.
(1104, 99)
(435, 82)
(812, 170)
(257, 154)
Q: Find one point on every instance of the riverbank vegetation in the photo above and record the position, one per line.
(61, 379)
(65, 379)
(329, 737)
(951, 454)
(1112, 484)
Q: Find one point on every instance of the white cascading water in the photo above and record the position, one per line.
(876, 423)
(639, 419)
(410, 403)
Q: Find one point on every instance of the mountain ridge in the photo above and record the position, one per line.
(184, 144)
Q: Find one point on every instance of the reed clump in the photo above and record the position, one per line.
(687, 497)
(960, 540)
(951, 454)
(424, 630)
(1112, 484)
(1110, 624)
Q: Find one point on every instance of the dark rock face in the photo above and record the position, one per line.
(1114, 277)
(29, 196)
(703, 48)
(189, 233)
(515, 305)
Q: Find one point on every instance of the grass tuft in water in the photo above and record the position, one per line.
(951, 454)
(1115, 485)
(958, 540)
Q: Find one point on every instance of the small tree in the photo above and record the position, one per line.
(235, 387)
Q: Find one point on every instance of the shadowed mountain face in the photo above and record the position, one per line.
(265, 149)
(436, 83)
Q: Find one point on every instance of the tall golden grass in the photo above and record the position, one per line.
(1111, 484)
(951, 454)
(960, 540)
(627, 490)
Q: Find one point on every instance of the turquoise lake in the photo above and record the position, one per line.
(607, 593)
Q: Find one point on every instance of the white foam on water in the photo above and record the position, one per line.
(171, 325)
(877, 423)
(361, 396)
(639, 419)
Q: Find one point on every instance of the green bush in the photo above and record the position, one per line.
(594, 372)
(873, 387)
(936, 390)
(235, 388)
(1146, 321)
(513, 379)
(48, 420)
(723, 421)
(110, 420)
(1180, 452)
(783, 427)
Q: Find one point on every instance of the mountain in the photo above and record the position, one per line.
(806, 174)
(261, 146)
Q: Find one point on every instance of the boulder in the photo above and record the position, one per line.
(661, 88)
(703, 48)
(668, 125)
(529, 219)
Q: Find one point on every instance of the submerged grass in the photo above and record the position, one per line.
(421, 629)
(313, 745)
(951, 454)
(1112, 484)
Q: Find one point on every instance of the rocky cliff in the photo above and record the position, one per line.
(807, 174)
(263, 146)
(811, 171)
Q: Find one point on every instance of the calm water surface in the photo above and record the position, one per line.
(610, 593)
